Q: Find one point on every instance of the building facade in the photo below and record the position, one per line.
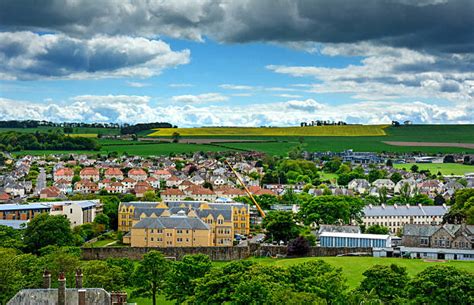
(223, 219)
(396, 216)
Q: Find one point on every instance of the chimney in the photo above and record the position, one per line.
(119, 298)
(82, 297)
(46, 279)
(61, 289)
(79, 278)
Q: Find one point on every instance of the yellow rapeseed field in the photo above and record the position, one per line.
(82, 135)
(344, 130)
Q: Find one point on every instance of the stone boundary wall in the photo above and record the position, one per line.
(215, 253)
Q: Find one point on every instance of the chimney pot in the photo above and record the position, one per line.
(62, 289)
(78, 278)
(46, 279)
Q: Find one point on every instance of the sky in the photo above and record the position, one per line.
(237, 63)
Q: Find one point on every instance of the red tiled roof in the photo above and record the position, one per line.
(172, 192)
(64, 172)
(4, 196)
(137, 172)
(113, 171)
(51, 192)
(89, 171)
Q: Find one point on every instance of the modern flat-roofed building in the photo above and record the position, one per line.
(396, 216)
(78, 212)
(354, 240)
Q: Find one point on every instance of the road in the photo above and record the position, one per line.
(40, 181)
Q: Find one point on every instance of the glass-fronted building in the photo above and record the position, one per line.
(354, 240)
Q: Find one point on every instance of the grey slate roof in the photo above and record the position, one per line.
(419, 230)
(172, 222)
(403, 210)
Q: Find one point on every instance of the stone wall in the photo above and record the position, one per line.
(215, 253)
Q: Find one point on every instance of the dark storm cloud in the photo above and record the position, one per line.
(431, 25)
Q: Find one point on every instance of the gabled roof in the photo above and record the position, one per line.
(172, 222)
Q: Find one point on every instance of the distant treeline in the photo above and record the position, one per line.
(133, 129)
(322, 123)
(17, 141)
(124, 128)
(36, 124)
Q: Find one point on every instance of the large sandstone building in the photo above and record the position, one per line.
(182, 223)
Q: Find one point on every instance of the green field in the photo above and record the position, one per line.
(352, 268)
(444, 168)
(280, 145)
(344, 130)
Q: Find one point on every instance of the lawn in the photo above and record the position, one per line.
(444, 168)
(353, 267)
(344, 130)
(101, 243)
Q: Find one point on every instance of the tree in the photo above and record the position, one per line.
(102, 220)
(396, 177)
(149, 196)
(442, 285)
(101, 274)
(44, 230)
(388, 282)
(377, 229)
(319, 278)
(331, 209)
(298, 247)
(389, 163)
(150, 275)
(181, 280)
(175, 136)
(10, 276)
(414, 168)
(10, 238)
(280, 225)
(383, 194)
(462, 209)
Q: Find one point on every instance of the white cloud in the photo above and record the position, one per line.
(236, 87)
(389, 73)
(285, 95)
(199, 99)
(137, 84)
(180, 85)
(27, 55)
(135, 109)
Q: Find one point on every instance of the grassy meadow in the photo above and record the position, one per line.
(444, 168)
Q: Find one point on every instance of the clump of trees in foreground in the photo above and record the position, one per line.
(195, 280)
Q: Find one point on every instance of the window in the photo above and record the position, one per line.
(423, 241)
